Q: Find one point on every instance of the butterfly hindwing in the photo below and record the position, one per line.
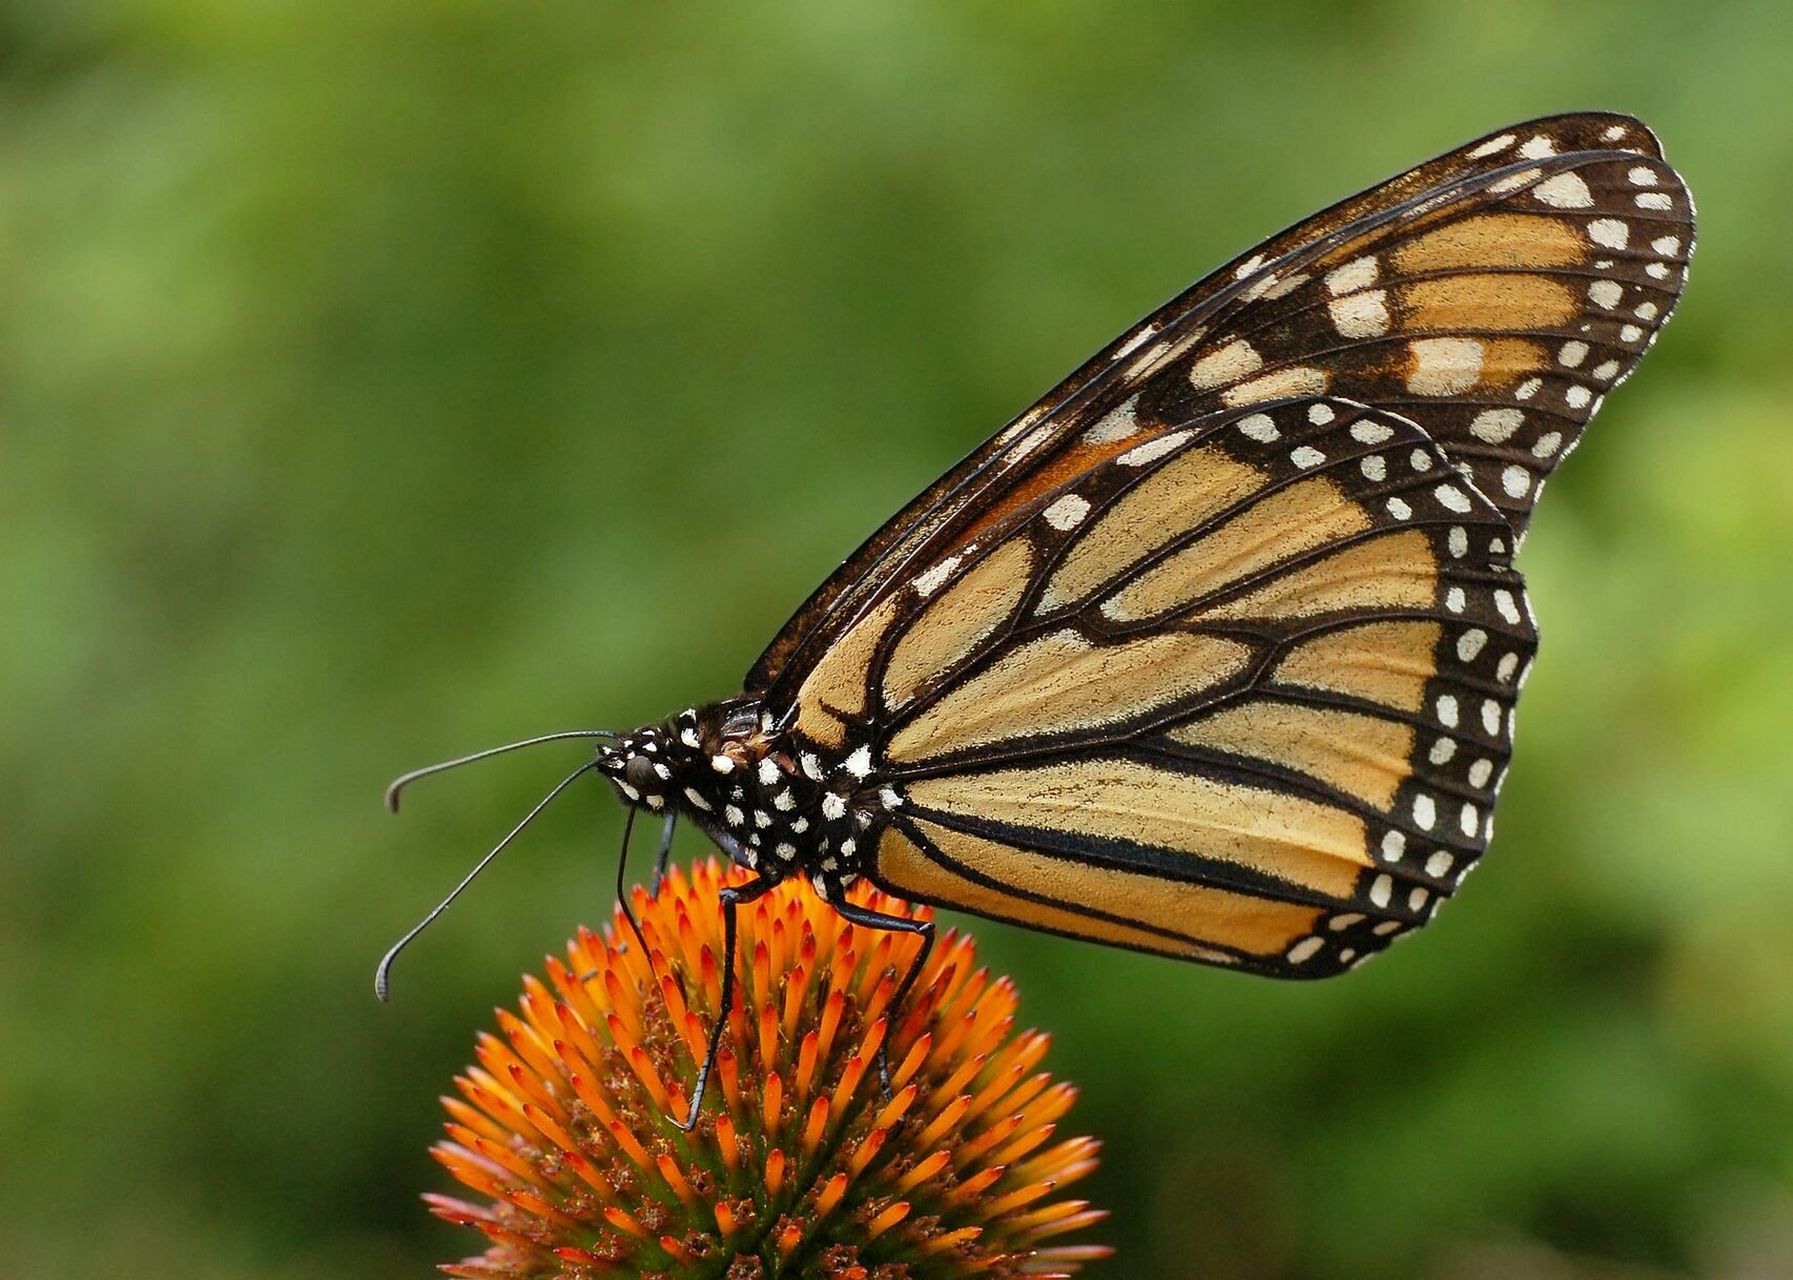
(1240, 694)
(1493, 295)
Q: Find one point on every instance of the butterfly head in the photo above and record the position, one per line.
(700, 763)
(640, 766)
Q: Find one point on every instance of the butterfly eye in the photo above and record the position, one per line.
(639, 773)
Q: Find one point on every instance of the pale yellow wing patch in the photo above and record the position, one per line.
(1363, 756)
(947, 630)
(1195, 487)
(1063, 682)
(907, 869)
(1312, 846)
(837, 687)
(1280, 526)
(1382, 662)
(1392, 572)
(1110, 903)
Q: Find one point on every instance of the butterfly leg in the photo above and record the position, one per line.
(732, 898)
(662, 858)
(622, 893)
(660, 861)
(869, 919)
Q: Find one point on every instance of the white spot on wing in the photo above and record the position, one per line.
(1361, 315)
(1153, 449)
(1609, 232)
(1067, 512)
(1132, 344)
(1298, 380)
(1496, 426)
(1117, 425)
(928, 583)
(1452, 498)
(1359, 273)
(1513, 181)
(1444, 366)
(1305, 950)
(1235, 360)
(1564, 191)
(1284, 287)
(1260, 427)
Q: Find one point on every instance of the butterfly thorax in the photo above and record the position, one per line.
(770, 807)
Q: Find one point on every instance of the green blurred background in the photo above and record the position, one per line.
(383, 380)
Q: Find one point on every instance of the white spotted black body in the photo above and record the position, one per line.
(776, 810)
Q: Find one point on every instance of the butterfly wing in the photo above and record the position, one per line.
(1491, 295)
(1241, 693)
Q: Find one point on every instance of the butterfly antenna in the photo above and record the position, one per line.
(405, 780)
(383, 974)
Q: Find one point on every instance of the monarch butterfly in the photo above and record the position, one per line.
(1213, 652)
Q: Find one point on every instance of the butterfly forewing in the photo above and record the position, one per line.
(1493, 295)
(1497, 319)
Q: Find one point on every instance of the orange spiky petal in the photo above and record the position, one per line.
(563, 1125)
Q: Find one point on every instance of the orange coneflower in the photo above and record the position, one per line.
(801, 1164)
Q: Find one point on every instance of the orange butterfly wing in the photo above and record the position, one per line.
(1492, 295)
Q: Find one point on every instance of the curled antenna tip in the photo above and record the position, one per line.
(392, 792)
(383, 971)
(383, 977)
